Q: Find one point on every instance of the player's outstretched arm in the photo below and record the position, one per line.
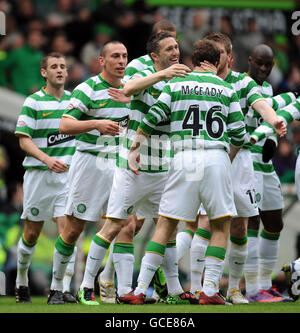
(73, 126)
(270, 116)
(138, 84)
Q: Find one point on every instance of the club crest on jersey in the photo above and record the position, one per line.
(57, 138)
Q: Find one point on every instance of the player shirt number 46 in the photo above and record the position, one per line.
(202, 108)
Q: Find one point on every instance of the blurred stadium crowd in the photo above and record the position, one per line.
(79, 29)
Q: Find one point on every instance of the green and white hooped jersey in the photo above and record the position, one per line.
(90, 100)
(137, 65)
(246, 88)
(39, 119)
(287, 114)
(204, 112)
(247, 91)
(254, 120)
(155, 152)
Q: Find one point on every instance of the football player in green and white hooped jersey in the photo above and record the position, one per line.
(48, 157)
(140, 195)
(205, 119)
(243, 180)
(263, 252)
(183, 238)
(106, 278)
(95, 120)
(289, 113)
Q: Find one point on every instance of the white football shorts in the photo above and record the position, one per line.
(244, 184)
(209, 183)
(135, 194)
(268, 191)
(90, 181)
(44, 195)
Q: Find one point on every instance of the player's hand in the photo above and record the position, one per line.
(117, 95)
(56, 165)
(268, 150)
(253, 140)
(280, 127)
(134, 161)
(207, 66)
(176, 70)
(109, 127)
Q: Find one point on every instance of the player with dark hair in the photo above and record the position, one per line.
(205, 119)
(139, 195)
(97, 122)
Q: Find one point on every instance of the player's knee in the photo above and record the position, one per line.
(71, 234)
(272, 221)
(129, 231)
(116, 226)
(138, 226)
(238, 227)
(274, 227)
(253, 222)
(31, 236)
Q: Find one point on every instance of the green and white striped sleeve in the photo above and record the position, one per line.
(26, 123)
(280, 101)
(159, 112)
(236, 127)
(288, 114)
(137, 65)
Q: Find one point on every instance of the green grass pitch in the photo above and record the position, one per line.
(39, 305)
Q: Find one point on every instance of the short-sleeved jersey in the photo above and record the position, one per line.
(39, 119)
(204, 112)
(137, 65)
(90, 100)
(153, 157)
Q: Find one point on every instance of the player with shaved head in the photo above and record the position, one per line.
(263, 249)
(96, 121)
